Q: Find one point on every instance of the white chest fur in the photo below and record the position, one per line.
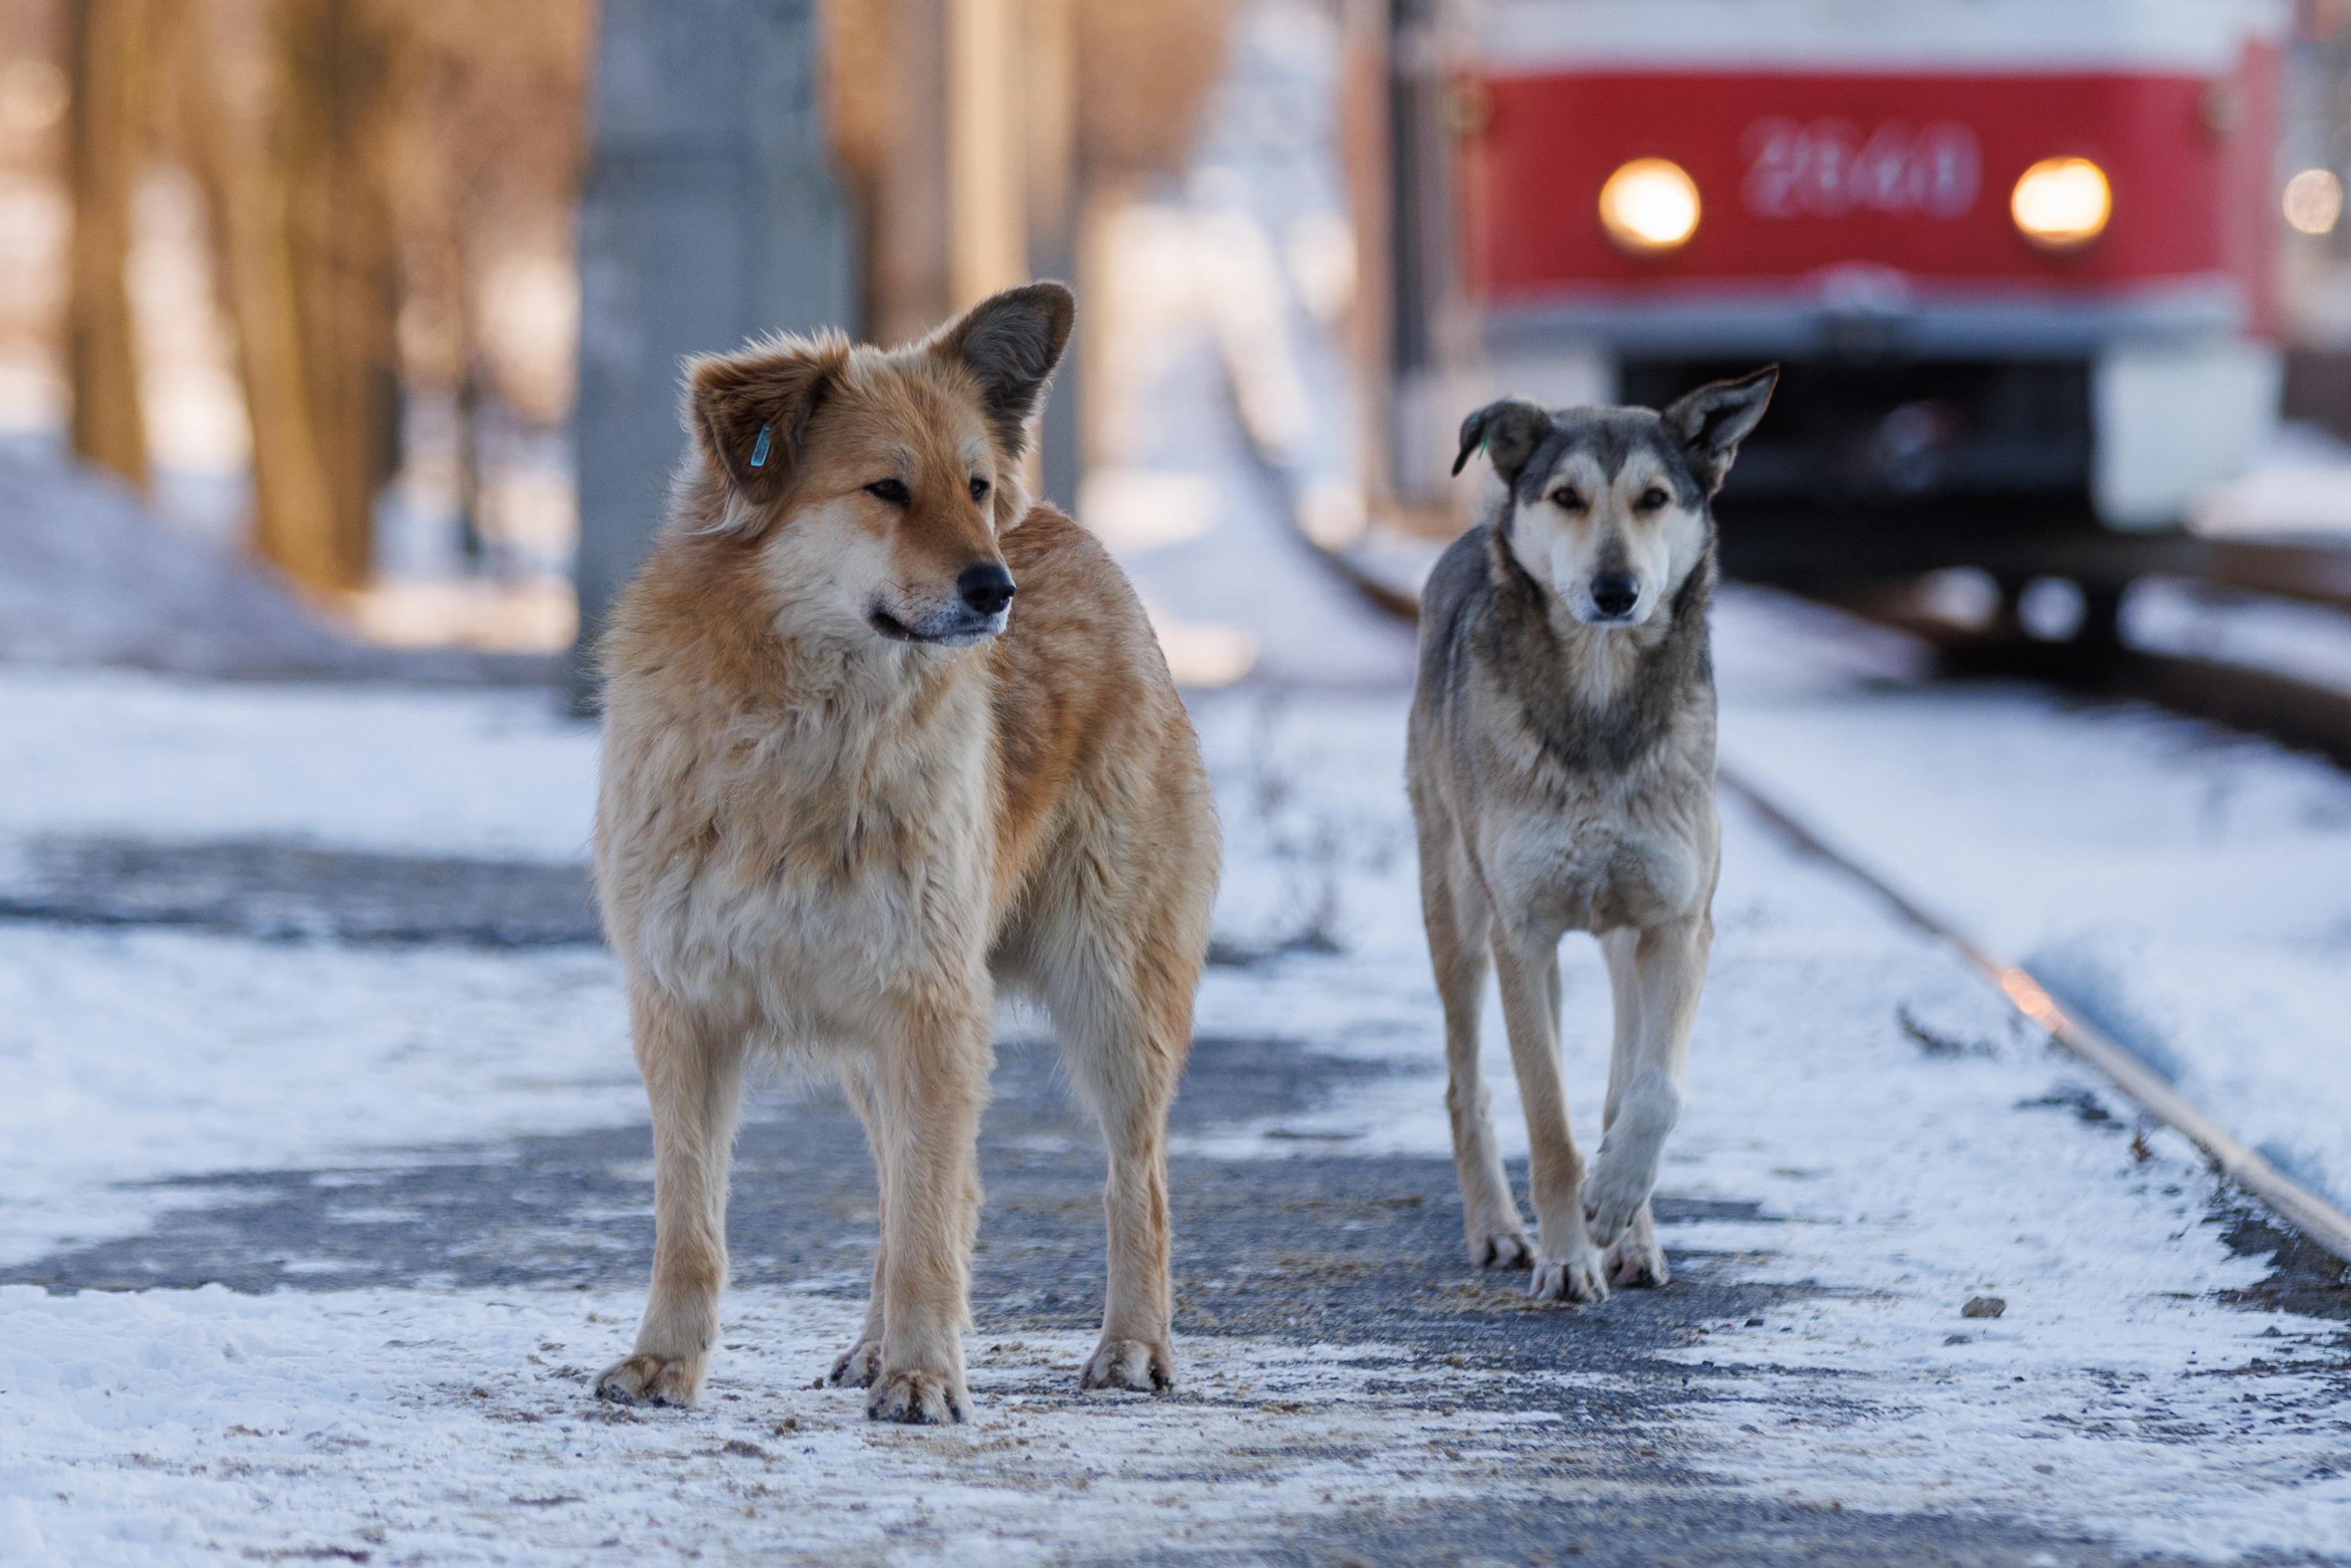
(838, 871)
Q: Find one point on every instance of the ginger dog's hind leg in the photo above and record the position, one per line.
(857, 1366)
(1125, 1031)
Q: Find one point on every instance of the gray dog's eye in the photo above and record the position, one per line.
(1566, 499)
(1652, 498)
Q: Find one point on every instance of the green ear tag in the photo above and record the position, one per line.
(759, 449)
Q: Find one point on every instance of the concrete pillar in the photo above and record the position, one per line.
(710, 214)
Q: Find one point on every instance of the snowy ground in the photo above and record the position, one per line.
(1871, 1143)
(2185, 889)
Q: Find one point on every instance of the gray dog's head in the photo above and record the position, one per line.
(1607, 506)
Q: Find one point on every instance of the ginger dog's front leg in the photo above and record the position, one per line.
(693, 1077)
(929, 1086)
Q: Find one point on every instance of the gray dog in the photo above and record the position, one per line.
(1561, 768)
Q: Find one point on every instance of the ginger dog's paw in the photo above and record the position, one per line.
(643, 1379)
(1614, 1193)
(917, 1398)
(1500, 1247)
(857, 1366)
(1635, 1261)
(1576, 1277)
(1133, 1364)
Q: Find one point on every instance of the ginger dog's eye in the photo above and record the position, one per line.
(979, 488)
(1566, 499)
(890, 490)
(1652, 498)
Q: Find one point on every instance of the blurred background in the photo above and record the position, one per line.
(305, 276)
(386, 298)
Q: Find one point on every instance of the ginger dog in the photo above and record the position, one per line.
(850, 785)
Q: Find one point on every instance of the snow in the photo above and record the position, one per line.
(2300, 484)
(133, 1056)
(486, 774)
(2188, 891)
(1908, 1180)
(2307, 642)
(179, 1426)
(93, 578)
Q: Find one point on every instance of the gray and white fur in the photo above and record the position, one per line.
(1561, 772)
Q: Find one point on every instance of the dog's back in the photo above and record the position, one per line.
(1087, 713)
(1453, 602)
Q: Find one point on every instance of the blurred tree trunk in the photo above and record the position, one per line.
(294, 175)
(909, 270)
(333, 74)
(245, 184)
(108, 66)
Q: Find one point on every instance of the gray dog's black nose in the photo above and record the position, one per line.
(986, 588)
(1614, 594)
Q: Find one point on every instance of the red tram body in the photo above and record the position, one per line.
(1889, 197)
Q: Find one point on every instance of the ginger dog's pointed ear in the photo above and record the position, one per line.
(749, 410)
(1510, 430)
(1011, 341)
(1711, 422)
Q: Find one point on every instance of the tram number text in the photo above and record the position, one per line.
(1827, 169)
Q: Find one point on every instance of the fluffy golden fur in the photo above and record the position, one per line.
(847, 792)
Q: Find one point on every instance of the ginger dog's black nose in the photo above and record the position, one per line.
(986, 588)
(1614, 594)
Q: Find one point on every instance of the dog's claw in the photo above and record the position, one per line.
(1578, 1277)
(1635, 1261)
(644, 1379)
(1501, 1249)
(1136, 1364)
(919, 1398)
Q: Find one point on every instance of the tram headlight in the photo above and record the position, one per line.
(1649, 205)
(2062, 203)
(2313, 201)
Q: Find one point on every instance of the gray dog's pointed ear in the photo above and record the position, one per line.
(1510, 430)
(1011, 341)
(748, 410)
(1711, 422)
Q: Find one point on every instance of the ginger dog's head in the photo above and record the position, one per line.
(1608, 508)
(874, 484)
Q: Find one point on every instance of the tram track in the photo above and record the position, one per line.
(2096, 660)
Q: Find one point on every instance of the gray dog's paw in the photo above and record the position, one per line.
(1614, 1193)
(644, 1379)
(919, 1398)
(1635, 1261)
(1576, 1277)
(1133, 1364)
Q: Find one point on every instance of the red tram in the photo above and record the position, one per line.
(2016, 256)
